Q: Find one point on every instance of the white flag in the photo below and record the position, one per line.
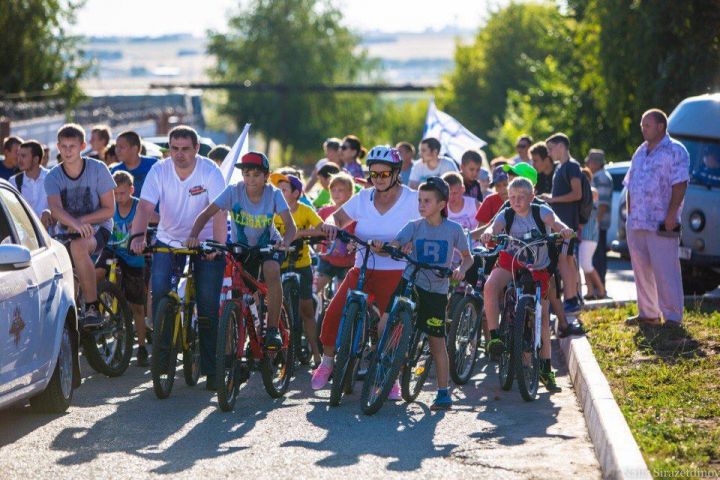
(230, 173)
(454, 138)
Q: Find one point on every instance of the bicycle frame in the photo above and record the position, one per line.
(363, 299)
(173, 293)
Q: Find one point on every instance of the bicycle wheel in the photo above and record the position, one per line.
(417, 367)
(191, 356)
(527, 359)
(277, 367)
(108, 349)
(229, 335)
(291, 298)
(463, 338)
(506, 371)
(344, 354)
(164, 350)
(387, 360)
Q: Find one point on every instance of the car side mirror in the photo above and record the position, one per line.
(14, 257)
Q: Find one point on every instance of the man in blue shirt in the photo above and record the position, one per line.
(127, 149)
(9, 167)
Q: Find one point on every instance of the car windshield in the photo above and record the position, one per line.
(704, 161)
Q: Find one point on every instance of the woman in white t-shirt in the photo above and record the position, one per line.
(380, 212)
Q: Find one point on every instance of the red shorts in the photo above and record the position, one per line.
(379, 283)
(507, 262)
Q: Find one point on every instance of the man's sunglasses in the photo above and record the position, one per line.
(346, 147)
(522, 145)
(385, 174)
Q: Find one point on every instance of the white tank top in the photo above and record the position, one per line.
(466, 216)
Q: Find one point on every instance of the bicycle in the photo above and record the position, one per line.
(520, 326)
(108, 348)
(241, 331)
(392, 349)
(356, 332)
(175, 326)
(291, 296)
(467, 318)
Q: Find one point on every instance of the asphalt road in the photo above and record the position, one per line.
(116, 428)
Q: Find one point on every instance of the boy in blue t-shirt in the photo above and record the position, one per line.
(252, 204)
(133, 272)
(433, 239)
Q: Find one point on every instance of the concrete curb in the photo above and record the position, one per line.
(615, 447)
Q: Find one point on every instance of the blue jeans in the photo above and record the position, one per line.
(208, 283)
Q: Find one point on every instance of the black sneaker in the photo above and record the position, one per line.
(92, 318)
(211, 384)
(575, 328)
(142, 356)
(273, 340)
(548, 379)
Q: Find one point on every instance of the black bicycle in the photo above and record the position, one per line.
(108, 348)
(520, 326)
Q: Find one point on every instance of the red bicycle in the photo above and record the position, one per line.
(241, 332)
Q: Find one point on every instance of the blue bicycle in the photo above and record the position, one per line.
(392, 350)
(355, 333)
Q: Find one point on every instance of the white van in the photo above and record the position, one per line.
(696, 123)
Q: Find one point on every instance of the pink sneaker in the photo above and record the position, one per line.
(395, 392)
(320, 377)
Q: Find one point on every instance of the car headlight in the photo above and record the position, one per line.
(697, 221)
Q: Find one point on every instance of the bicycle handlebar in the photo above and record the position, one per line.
(398, 254)
(66, 236)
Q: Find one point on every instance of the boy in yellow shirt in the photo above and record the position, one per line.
(307, 222)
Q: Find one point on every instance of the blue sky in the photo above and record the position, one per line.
(157, 17)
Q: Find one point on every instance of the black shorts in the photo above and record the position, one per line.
(306, 282)
(101, 236)
(329, 270)
(255, 261)
(430, 311)
(134, 280)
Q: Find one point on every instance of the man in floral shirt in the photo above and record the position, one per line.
(656, 184)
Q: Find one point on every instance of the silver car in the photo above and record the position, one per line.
(38, 326)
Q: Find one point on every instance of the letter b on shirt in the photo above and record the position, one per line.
(432, 251)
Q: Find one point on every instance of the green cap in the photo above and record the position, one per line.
(524, 170)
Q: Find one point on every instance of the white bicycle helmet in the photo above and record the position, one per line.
(384, 154)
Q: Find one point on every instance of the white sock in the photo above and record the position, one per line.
(327, 361)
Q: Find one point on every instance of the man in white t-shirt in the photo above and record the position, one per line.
(184, 185)
(430, 164)
(30, 182)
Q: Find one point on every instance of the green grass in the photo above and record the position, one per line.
(671, 403)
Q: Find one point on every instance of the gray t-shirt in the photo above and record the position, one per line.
(434, 245)
(252, 223)
(522, 225)
(81, 196)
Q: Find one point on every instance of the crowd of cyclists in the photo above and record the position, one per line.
(434, 209)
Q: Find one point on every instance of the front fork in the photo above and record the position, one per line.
(359, 297)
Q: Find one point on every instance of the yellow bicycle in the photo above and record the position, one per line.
(175, 329)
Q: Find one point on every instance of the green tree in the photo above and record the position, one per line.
(294, 43)
(500, 60)
(38, 52)
(648, 54)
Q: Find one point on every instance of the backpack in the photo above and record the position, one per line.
(509, 213)
(586, 198)
(19, 180)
